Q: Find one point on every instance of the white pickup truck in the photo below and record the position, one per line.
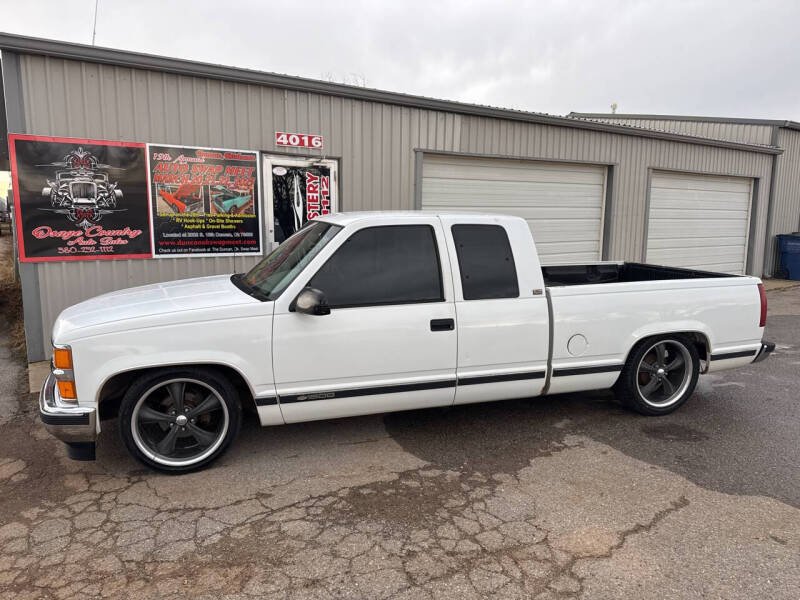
(375, 312)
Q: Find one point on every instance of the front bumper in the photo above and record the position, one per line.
(73, 424)
(764, 351)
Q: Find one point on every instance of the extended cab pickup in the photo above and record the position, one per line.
(375, 312)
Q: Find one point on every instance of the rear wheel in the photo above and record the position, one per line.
(179, 420)
(660, 375)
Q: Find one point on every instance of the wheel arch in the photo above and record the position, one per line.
(700, 339)
(112, 390)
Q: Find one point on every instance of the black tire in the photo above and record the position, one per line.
(158, 434)
(652, 382)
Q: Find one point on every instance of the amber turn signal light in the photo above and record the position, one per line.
(62, 358)
(66, 389)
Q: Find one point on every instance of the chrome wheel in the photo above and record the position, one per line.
(664, 373)
(179, 422)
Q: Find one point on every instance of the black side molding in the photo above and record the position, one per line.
(355, 392)
(500, 378)
(565, 372)
(729, 355)
(432, 385)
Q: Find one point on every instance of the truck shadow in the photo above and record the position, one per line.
(724, 439)
(737, 434)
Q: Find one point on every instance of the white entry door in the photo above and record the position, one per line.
(699, 221)
(297, 190)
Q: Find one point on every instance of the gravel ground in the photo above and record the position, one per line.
(561, 497)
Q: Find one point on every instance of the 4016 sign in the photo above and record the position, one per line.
(298, 140)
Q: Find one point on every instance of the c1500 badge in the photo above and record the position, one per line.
(70, 201)
(317, 396)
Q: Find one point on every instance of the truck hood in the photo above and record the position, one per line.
(134, 307)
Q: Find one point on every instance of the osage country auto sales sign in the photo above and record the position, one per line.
(298, 140)
(79, 199)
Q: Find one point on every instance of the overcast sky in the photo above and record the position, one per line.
(735, 58)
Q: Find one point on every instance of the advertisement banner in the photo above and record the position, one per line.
(299, 193)
(204, 201)
(79, 199)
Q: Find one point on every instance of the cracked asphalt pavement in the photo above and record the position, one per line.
(560, 497)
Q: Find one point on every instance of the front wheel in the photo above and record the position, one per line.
(660, 375)
(179, 420)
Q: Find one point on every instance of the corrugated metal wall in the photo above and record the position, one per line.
(374, 142)
(786, 199)
(735, 132)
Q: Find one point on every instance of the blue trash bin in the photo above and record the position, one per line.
(789, 246)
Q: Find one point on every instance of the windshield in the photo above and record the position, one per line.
(279, 268)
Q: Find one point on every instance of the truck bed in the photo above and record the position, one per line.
(618, 272)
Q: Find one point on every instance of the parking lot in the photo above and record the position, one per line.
(567, 496)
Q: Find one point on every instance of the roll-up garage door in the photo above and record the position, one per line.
(699, 221)
(562, 202)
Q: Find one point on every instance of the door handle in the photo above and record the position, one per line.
(442, 324)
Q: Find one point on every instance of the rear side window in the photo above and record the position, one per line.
(485, 261)
(395, 264)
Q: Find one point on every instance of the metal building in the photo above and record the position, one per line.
(784, 199)
(590, 190)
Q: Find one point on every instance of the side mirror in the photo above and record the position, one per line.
(311, 301)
